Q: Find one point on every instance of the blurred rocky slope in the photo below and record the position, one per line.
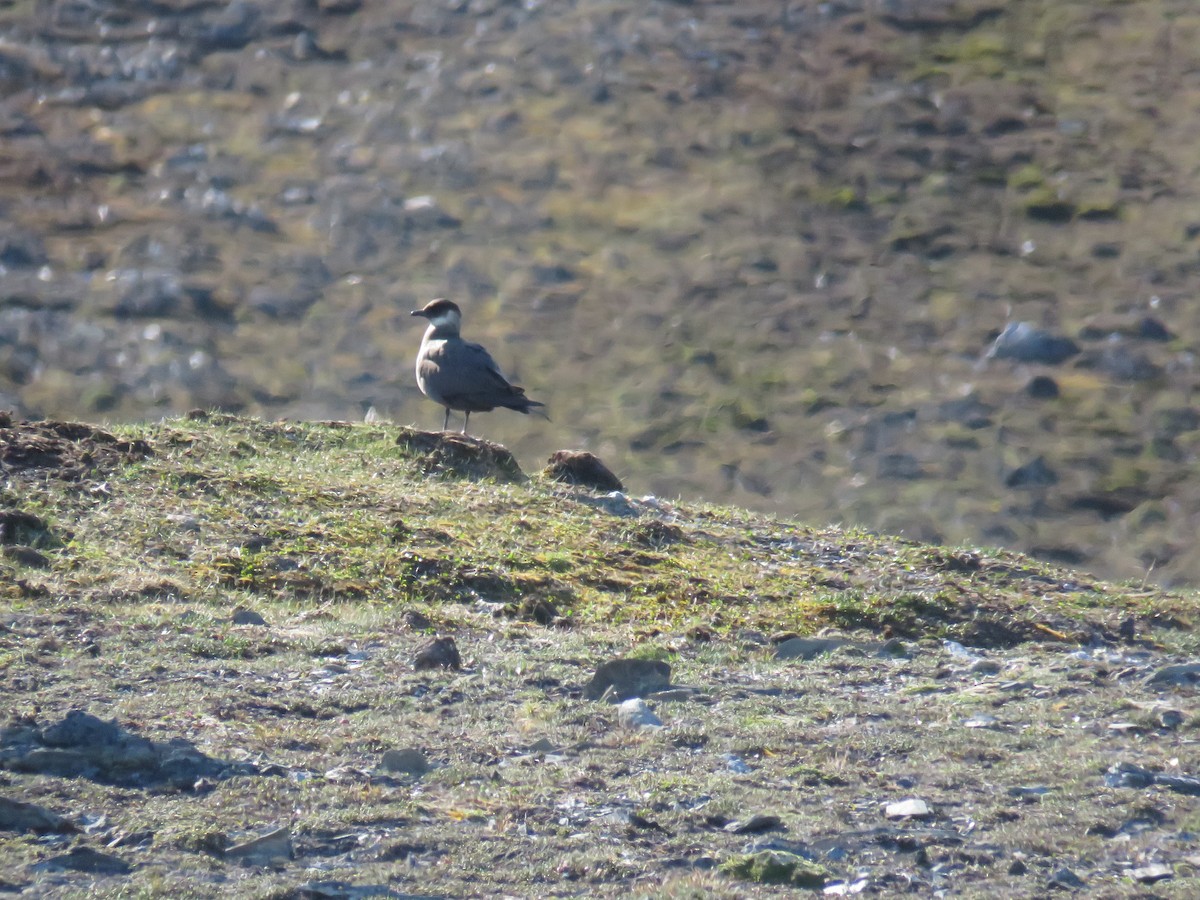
(751, 251)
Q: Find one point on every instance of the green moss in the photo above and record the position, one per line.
(776, 867)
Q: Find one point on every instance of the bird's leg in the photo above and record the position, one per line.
(466, 419)
(446, 421)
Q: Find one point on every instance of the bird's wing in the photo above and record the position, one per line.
(480, 360)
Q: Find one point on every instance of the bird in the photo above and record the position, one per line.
(461, 375)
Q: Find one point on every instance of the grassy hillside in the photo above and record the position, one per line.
(747, 251)
(246, 600)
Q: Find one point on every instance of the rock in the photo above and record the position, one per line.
(807, 648)
(736, 764)
(1135, 326)
(437, 653)
(409, 761)
(908, 809)
(18, 816)
(634, 713)
(1177, 674)
(756, 824)
(273, 845)
(81, 745)
(1128, 775)
(1035, 473)
(624, 679)
(1042, 387)
(981, 720)
(1025, 342)
(414, 620)
(244, 616)
(460, 456)
(582, 468)
(900, 466)
(1064, 878)
(776, 867)
(84, 859)
(27, 556)
(1151, 873)
(81, 729)
(1170, 719)
(1029, 794)
(19, 528)
(1124, 363)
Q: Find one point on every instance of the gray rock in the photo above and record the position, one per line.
(244, 616)
(908, 809)
(275, 844)
(623, 679)
(409, 761)
(1151, 873)
(84, 859)
(807, 648)
(82, 745)
(1179, 674)
(1065, 878)
(437, 653)
(1024, 342)
(18, 816)
(634, 713)
(756, 824)
(1035, 473)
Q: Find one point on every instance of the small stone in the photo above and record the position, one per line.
(985, 667)
(582, 468)
(276, 844)
(409, 761)
(756, 824)
(18, 816)
(27, 556)
(1065, 878)
(415, 621)
(1170, 719)
(982, 720)
(908, 809)
(1029, 794)
(623, 679)
(1179, 674)
(1025, 342)
(1017, 867)
(85, 859)
(437, 653)
(807, 648)
(244, 616)
(1042, 387)
(634, 713)
(1035, 473)
(1152, 873)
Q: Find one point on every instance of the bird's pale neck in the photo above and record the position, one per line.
(443, 326)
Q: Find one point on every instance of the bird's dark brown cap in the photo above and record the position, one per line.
(437, 307)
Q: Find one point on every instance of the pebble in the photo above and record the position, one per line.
(437, 653)
(1152, 873)
(1025, 342)
(409, 761)
(275, 844)
(1179, 674)
(634, 713)
(244, 616)
(84, 859)
(623, 679)
(908, 809)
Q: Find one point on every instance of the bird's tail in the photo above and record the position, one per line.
(523, 404)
